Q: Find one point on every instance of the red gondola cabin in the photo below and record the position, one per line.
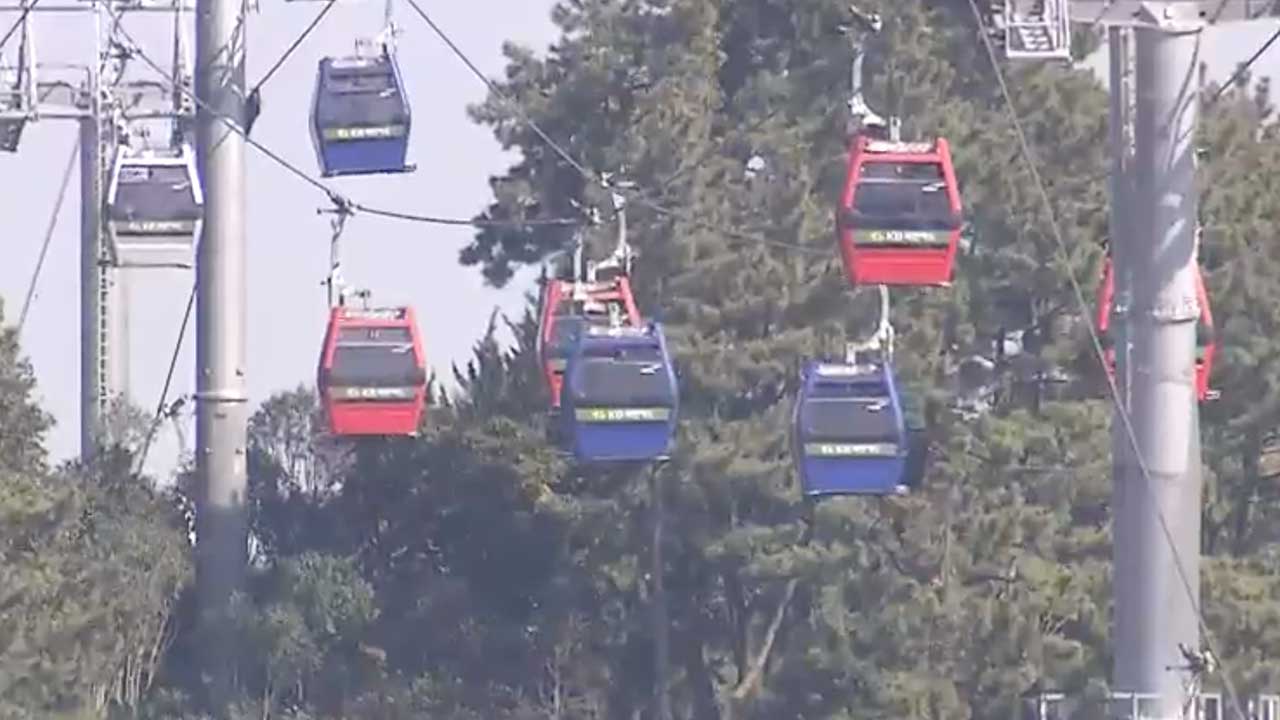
(1206, 346)
(563, 316)
(373, 374)
(900, 217)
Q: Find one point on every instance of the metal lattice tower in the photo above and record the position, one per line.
(93, 93)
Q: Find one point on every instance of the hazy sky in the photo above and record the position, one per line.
(288, 243)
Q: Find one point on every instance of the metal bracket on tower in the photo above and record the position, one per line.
(20, 92)
(1036, 29)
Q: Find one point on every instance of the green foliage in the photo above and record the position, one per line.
(93, 564)
(22, 424)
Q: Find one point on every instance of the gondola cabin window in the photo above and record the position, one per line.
(375, 357)
(851, 412)
(624, 376)
(156, 200)
(903, 196)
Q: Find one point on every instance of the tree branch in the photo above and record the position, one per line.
(751, 682)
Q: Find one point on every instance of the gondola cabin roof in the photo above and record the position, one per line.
(621, 396)
(564, 312)
(899, 218)
(360, 118)
(1206, 342)
(849, 434)
(155, 208)
(372, 372)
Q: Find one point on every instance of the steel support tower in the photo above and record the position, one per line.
(1157, 493)
(222, 410)
(1155, 56)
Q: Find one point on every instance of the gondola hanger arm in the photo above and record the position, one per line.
(341, 210)
(623, 254)
(880, 341)
(860, 113)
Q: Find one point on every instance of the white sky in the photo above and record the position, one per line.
(402, 262)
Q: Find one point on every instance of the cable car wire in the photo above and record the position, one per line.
(1122, 412)
(1243, 68)
(639, 197)
(48, 235)
(336, 197)
(253, 101)
(168, 380)
(397, 215)
(295, 45)
(493, 88)
(18, 23)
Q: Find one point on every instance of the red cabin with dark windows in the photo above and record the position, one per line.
(568, 306)
(900, 217)
(1206, 345)
(373, 374)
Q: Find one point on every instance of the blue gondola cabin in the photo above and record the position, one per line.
(360, 116)
(849, 433)
(620, 397)
(899, 219)
(372, 374)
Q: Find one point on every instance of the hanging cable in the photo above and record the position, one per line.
(48, 235)
(302, 175)
(397, 215)
(168, 381)
(253, 101)
(493, 88)
(295, 45)
(1121, 411)
(593, 178)
(1240, 71)
(18, 23)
